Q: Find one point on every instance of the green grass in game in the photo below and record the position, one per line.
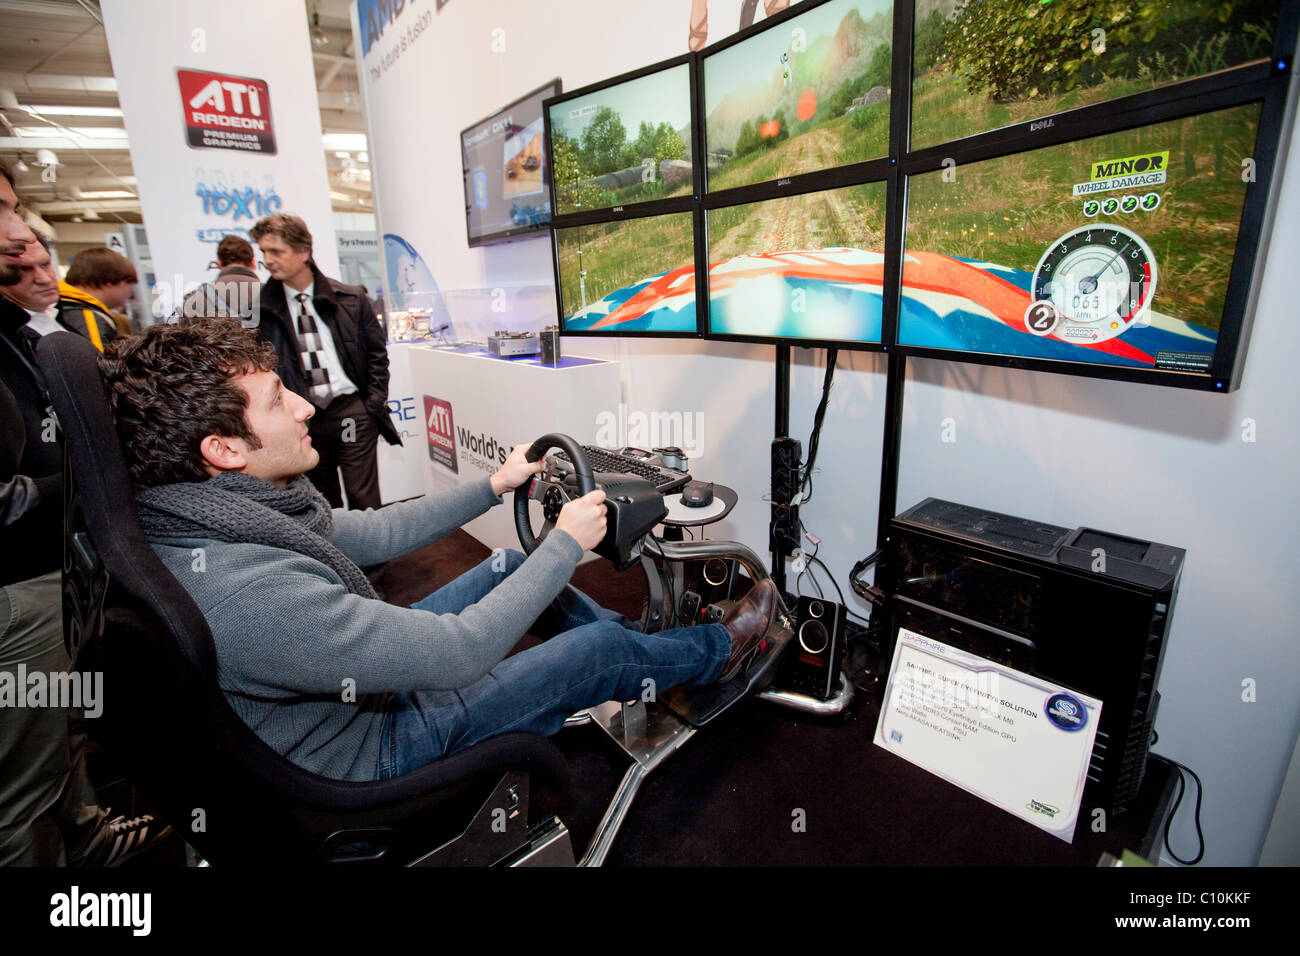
(852, 216)
(1008, 211)
(861, 136)
(616, 254)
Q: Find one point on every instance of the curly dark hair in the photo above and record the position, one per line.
(173, 386)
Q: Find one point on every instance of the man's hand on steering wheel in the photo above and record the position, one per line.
(516, 470)
(583, 519)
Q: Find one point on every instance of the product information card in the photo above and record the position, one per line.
(1015, 740)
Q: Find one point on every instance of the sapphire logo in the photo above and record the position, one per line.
(1067, 712)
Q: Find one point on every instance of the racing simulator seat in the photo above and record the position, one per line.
(234, 799)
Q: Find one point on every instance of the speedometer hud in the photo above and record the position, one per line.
(1112, 250)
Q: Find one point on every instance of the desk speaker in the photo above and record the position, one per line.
(812, 665)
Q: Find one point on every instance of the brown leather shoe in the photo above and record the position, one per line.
(747, 624)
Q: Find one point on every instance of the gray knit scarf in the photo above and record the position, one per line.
(244, 510)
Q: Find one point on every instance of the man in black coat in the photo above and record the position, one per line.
(332, 351)
(48, 812)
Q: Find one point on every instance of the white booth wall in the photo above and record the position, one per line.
(1165, 464)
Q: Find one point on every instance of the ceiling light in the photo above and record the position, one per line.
(318, 38)
(21, 167)
(75, 110)
(47, 157)
(350, 142)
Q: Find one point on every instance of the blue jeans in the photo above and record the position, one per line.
(589, 655)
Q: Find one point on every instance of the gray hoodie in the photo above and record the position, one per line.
(309, 666)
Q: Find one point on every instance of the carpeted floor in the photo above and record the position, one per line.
(766, 786)
(760, 785)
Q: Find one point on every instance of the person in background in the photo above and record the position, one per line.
(32, 286)
(332, 351)
(49, 815)
(236, 291)
(15, 234)
(99, 283)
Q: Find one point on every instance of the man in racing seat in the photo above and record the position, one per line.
(335, 679)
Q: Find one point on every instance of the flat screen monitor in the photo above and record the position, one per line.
(1114, 250)
(806, 93)
(982, 65)
(628, 276)
(809, 266)
(624, 142)
(507, 192)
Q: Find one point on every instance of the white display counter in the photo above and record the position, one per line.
(471, 408)
(401, 466)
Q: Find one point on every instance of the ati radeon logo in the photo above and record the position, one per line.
(441, 432)
(217, 91)
(226, 112)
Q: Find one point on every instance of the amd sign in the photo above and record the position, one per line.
(377, 15)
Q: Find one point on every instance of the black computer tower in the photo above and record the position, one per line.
(1086, 609)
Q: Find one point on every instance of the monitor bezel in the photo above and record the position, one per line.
(697, 216)
(518, 232)
(1157, 94)
(1262, 83)
(877, 171)
(803, 181)
(640, 209)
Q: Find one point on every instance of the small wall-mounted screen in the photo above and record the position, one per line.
(809, 93)
(633, 275)
(1111, 250)
(506, 180)
(626, 143)
(809, 266)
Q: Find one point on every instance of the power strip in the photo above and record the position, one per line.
(787, 463)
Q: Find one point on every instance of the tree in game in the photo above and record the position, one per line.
(1009, 50)
(604, 142)
(570, 175)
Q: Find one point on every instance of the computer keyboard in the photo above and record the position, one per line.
(608, 462)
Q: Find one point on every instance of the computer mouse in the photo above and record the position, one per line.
(697, 494)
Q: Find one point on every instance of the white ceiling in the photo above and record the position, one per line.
(55, 55)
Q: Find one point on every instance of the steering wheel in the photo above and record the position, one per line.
(552, 492)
